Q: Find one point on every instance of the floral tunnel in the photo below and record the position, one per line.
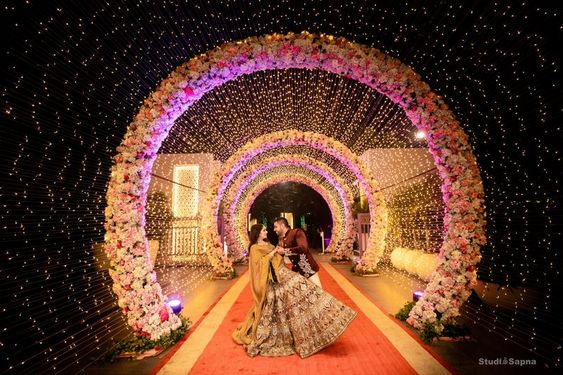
(280, 140)
(337, 210)
(247, 181)
(138, 293)
(336, 198)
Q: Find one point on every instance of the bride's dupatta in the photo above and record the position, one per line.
(263, 269)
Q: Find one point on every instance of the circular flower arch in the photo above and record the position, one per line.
(329, 194)
(256, 170)
(323, 143)
(126, 245)
(334, 204)
(337, 198)
(237, 236)
(341, 241)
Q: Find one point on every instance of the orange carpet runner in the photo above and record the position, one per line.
(362, 349)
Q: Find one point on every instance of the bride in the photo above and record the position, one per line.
(290, 314)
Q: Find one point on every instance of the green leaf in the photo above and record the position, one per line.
(142, 344)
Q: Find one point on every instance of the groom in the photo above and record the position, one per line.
(293, 245)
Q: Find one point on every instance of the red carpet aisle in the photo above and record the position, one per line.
(363, 349)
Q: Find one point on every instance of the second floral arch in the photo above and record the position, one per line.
(245, 173)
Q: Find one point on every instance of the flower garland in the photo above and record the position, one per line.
(276, 175)
(337, 210)
(296, 160)
(341, 243)
(462, 189)
(334, 148)
(240, 210)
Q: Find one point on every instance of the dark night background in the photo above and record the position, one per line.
(75, 73)
(302, 201)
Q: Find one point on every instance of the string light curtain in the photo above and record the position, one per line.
(76, 73)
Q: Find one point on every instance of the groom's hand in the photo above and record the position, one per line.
(280, 250)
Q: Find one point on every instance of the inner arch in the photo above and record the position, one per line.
(302, 200)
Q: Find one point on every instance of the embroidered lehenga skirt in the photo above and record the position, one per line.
(298, 317)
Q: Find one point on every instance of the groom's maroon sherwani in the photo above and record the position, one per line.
(295, 241)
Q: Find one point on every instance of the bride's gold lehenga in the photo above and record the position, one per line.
(292, 315)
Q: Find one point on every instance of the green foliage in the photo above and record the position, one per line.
(142, 344)
(358, 208)
(429, 332)
(403, 314)
(361, 271)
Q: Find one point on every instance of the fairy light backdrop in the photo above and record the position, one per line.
(76, 73)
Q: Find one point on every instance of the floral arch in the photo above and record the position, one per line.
(257, 170)
(138, 293)
(338, 212)
(330, 196)
(338, 197)
(320, 142)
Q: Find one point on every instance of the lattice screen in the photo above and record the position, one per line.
(185, 200)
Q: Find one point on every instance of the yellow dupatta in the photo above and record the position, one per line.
(259, 267)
